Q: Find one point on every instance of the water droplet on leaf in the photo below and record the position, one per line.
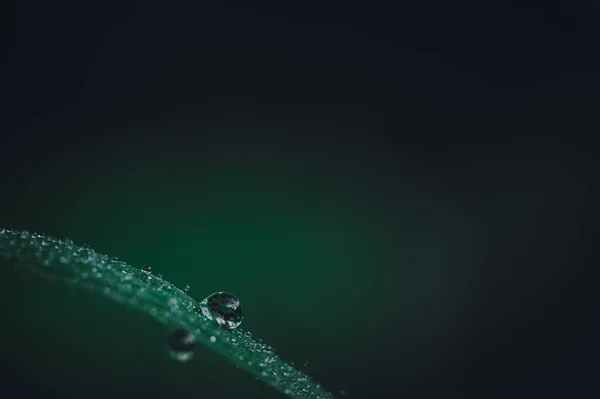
(222, 308)
(173, 304)
(181, 345)
(147, 268)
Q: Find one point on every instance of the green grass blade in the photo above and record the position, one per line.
(80, 267)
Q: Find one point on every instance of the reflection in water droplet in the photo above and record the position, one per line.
(223, 308)
(213, 339)
(181, 345)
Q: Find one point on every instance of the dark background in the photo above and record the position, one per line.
(398, 192)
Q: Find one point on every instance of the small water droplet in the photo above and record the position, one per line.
(186, 288)
(181, 345)
(213, 339)
(147, 268)
(173, 304)
(222, 308)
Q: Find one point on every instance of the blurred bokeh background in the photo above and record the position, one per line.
(397, 193)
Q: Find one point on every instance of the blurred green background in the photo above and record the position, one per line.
(393, 233)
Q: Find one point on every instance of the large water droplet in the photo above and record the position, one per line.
(223, 308)
(181, 345)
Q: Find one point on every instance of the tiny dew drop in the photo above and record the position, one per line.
(173, 304)
(222, 308)
(186, 288)
(147, 268)
(181, 345)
